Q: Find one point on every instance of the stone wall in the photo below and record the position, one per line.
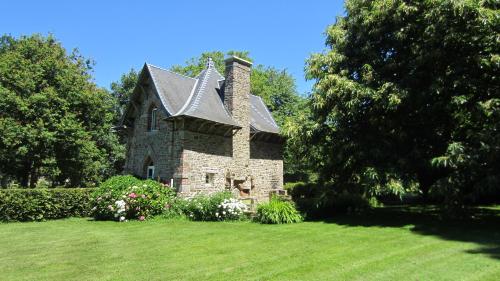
(204, 153)
(207, 153)
(158, 145)
(266, 166)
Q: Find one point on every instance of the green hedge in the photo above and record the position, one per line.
(44, 204)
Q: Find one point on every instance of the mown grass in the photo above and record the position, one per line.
(388, 244)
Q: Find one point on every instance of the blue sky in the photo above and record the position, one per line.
(119, 35)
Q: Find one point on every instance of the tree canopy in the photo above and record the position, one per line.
(408, 92)
(54, 121)
(122, 89)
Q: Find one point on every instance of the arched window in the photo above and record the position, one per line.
(153, 118)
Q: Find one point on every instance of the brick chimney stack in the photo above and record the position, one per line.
(237, 100)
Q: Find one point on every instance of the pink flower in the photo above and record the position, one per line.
(132, 195)
(141, 218)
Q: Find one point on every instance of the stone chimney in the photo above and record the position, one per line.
(237, 101)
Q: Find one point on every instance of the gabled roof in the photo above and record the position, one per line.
(172, 87)
(200, 97)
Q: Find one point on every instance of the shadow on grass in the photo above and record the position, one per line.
(482, 228)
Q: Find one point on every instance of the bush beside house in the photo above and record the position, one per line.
(123, 198)
(277, 211)
(44, 204)
(217, 207)
(126, 197)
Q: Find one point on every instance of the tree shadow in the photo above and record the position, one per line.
(481, 228)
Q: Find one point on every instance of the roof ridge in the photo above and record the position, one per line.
(200, 91)
(173, 72)
(216, 71)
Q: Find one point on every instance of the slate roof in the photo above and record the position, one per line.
(200, 98)
(260, 117)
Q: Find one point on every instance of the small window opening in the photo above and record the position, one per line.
(209, 179)
(153, 119)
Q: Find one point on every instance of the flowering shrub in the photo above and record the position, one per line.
(139, 201)
(219, 206)
(230, 209)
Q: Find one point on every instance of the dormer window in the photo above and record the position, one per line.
(153, 119)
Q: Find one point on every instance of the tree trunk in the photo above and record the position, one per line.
(33, 178)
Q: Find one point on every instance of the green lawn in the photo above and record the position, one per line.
(388, 244)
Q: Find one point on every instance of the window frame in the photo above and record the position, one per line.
(152, 169)
(153, 125)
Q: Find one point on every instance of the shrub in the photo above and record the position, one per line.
(290, 186)
(332, 204)
(277, 211)
(218, 206)
(125, 197)
(43, 204)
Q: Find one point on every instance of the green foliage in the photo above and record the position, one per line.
(277, 211)
(123, 89)
(331, 205)
(126, 197)
(290, 186)
(204, 207)
(407, 95)
(44, 204)
(195, 65)
(55, 122)
(117, 185)
(316, 200)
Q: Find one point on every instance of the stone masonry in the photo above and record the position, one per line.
(202, 156)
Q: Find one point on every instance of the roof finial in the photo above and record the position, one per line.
(210, 62)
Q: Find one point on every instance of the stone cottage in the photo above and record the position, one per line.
(203, 134)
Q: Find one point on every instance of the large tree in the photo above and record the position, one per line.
(54, 121)
(408, 91)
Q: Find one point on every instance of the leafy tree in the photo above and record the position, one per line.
(408, 91)
(122, 90)
(54, 121)
(195, 65)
